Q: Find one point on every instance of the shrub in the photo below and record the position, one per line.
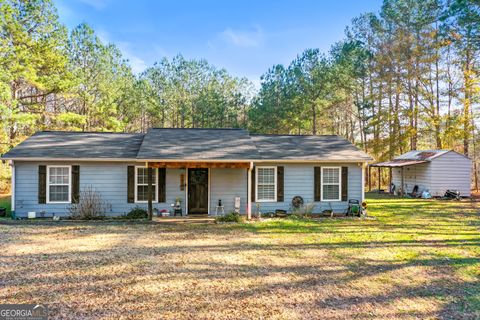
(229, 217)
(137, 213)
(90, 206)
(5, 175)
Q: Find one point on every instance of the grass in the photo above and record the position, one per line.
(417, 259)
(5, 202)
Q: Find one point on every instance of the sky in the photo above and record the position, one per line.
(246, 37)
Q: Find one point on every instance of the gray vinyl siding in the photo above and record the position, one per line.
(299, 180)
(173, 189)
(109, 179)
(419, 175)
(226, 184)
(451, 171)
(448, 171)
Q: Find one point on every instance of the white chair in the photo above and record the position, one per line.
(220, 208)
(236, 207)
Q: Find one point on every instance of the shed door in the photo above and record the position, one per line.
(197, 191)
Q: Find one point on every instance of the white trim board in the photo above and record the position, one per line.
(134, 160)
(186, 190)
(275, 183)
(69, 184)
(155, 198)
(12, 199)
(322, 176)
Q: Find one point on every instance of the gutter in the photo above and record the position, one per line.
(189, 160)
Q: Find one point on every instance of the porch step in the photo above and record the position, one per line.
(194, 219)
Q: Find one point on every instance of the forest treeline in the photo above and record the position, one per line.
(404, 78)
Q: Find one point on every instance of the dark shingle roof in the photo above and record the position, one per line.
(185, 144)
(298, 147)
(78, 145)
(197, 144)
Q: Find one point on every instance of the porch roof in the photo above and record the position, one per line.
(197, 145)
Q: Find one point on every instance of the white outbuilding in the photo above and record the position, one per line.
(433, 170)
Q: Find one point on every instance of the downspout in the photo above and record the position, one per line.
(149, 191)
(249, 192)
(364, 166)
(12, 198)
(186, 190)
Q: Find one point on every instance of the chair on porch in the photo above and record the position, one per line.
(236, 207)
(220, 208)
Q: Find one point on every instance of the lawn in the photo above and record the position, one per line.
(5, 202)
(419, 259)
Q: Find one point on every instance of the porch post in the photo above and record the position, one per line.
(364, 168)
(403, 181)
(369, 178)
(149, 191)
(249, 191)
(379, 180)
(390, 180)
(186, 190)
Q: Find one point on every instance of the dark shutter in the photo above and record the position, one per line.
(317, 183)
(161, 184)
(280, 192)
(42, 184)
(75, 184)
(253, 185)
(344, 183)
(131, 184)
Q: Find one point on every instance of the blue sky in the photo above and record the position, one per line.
(244, 36)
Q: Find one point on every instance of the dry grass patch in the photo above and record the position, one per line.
(419, 259)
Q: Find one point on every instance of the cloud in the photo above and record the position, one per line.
(161, 52)
(96, 4)
(243, 38)
(138, 64)
(103, 35)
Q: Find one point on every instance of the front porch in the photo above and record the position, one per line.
(190, 219)
(199, 186)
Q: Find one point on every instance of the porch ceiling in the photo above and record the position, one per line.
(196, 164)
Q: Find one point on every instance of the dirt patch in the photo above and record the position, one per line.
(399, 266)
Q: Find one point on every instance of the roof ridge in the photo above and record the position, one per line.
(80, 132)
(155, 128)
(295, 135)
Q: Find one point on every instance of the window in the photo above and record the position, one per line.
(141, 184)
(58, 184)
(266, 184)
(331, 183)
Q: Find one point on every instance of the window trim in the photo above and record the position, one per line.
(69, 184)
(332, 184)
(155, 174)
(275, 183)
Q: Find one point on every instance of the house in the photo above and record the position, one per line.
(434, 170)
(197, 166)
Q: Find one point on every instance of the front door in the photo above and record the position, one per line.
(197, 191)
